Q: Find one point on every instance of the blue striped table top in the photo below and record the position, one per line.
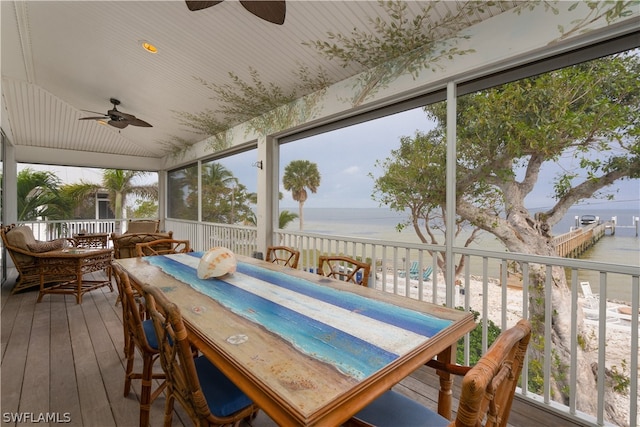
(355, 334)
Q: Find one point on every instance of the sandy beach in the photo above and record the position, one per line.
(618, 346)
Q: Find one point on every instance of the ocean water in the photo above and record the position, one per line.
(380, 223)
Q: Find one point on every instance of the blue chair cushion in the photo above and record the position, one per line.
(392, 409)
(223, 396)
(152, 339)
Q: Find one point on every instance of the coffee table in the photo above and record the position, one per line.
(68, 266)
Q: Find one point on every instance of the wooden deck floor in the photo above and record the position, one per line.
(64, 359)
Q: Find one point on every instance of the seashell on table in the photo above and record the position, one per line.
(217, 262)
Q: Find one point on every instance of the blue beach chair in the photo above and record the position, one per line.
(427, 273)
(413, 270)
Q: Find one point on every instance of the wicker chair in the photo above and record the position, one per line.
(283, 255)
(138, 333)
(344, 268)
(207, 395)
(487, 390)
(163, 247)
(124, 245)
(143, 226)
(24, 250)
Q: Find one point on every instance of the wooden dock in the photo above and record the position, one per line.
(575, 242)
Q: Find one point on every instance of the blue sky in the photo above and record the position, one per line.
(345, 158)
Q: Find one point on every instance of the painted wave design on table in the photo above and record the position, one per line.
(422, 324)
(351, 355)
(409, 320)
(384, 335)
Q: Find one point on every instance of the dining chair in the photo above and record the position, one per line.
(486, 396)
(283, 255)
(205, 393)
(138, 333)
(162, 247)
(344, 268)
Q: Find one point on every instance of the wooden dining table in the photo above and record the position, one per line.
(308, 350)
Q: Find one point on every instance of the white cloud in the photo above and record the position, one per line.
(351, 170)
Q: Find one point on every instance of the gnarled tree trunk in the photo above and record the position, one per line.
(520, 233)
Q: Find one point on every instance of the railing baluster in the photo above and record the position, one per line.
(573, 368)
(602, 343)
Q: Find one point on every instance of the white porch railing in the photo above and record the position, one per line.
(481, 287)
(49, 230)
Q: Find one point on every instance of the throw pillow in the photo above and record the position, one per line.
(40, 246)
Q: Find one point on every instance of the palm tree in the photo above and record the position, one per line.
(219, 190)
(183, 193)
(300, 175)
(119, 184)
(39, 196)
(285, 218)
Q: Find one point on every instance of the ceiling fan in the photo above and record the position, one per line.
(117, 118)
(272, 11)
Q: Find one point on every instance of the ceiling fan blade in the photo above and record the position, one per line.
(272, 11)
(120, 124)
(93, 118)
(129, 118)
(138, 122)
(94, 112)
(199, 5)
(120, 114)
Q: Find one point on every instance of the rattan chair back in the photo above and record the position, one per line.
(283, 255)
(486, 395)
(177, 359)
(163, 247)
(344, 268)
(136, 336)
(488, 388)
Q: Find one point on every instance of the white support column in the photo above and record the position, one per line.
(451, 191)
(199, 190)
(162, 197)
(10, 182)
(96, 204)
(9, 193)
(267, 208)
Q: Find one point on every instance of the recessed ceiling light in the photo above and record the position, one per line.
(149, 47)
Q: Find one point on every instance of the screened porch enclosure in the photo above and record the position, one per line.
(215, 111)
